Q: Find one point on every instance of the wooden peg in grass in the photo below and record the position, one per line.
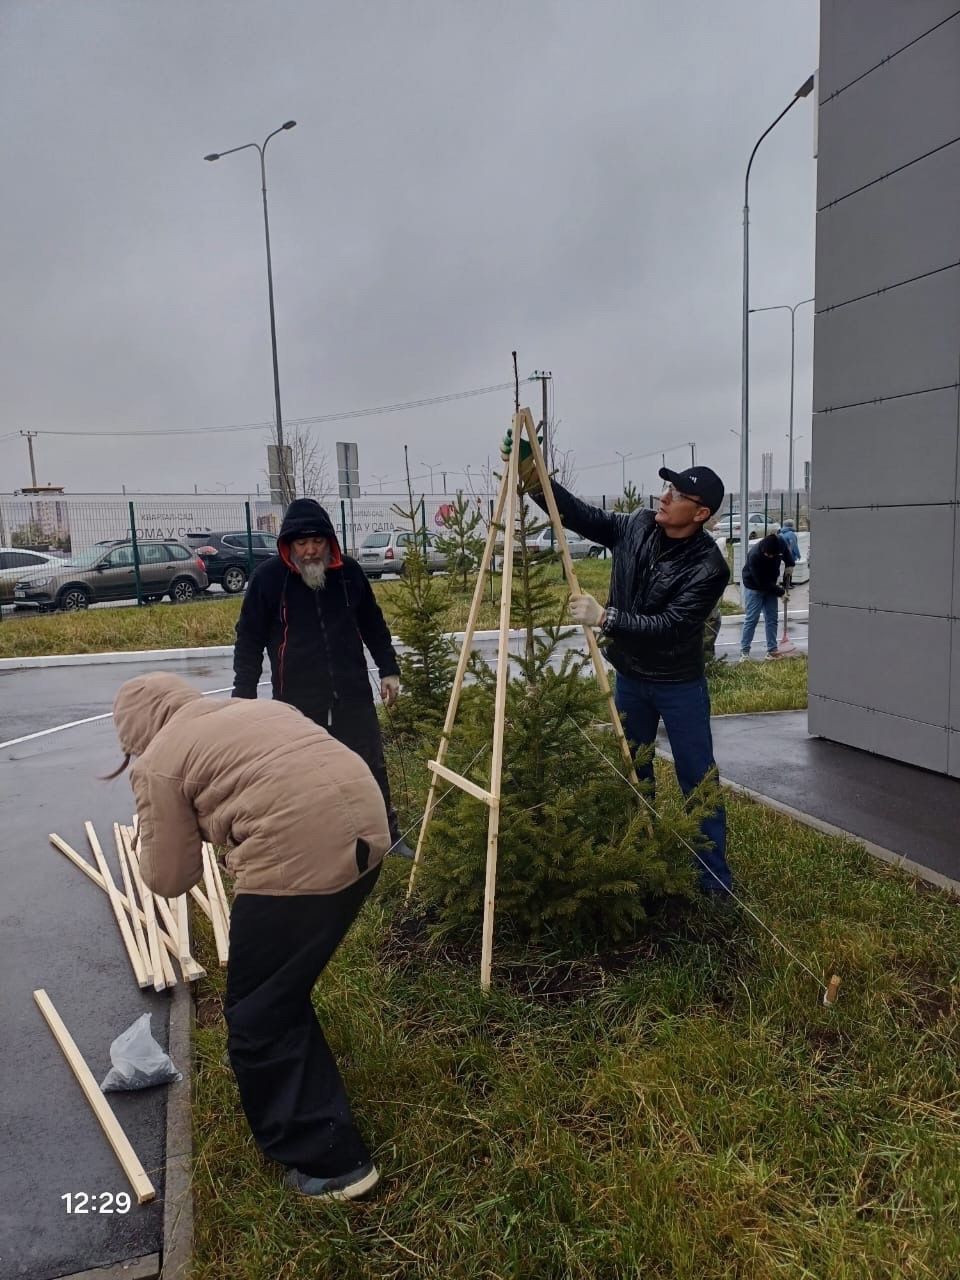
(830, 994)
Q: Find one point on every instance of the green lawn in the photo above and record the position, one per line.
(685, 1110)
(212, 621)
(736, 688)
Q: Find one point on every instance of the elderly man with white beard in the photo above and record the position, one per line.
(313, 610)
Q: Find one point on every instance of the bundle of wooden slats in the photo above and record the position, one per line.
(155, 930)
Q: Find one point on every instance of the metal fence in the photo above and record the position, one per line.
(65, 526)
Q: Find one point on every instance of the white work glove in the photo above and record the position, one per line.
(390, 689)
(586, 610)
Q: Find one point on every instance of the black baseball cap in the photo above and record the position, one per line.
(697, 482)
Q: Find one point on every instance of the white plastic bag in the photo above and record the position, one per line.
(138, 1061)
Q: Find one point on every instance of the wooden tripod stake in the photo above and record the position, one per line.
(505, 516)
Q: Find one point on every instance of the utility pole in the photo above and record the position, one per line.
(693, 454)
(543, 376)
(31, 436)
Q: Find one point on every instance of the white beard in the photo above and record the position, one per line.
(314, 575)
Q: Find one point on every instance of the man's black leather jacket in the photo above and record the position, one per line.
(662, 590)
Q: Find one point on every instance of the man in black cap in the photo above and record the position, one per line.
(313, 610)
(667, 576)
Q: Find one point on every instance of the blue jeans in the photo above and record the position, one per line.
(756, 604)
(685, 711)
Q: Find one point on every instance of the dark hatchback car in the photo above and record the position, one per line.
(227, 557)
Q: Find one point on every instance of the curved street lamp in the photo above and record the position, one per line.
(804, 91)
(286, 488)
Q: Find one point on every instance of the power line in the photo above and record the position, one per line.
(294, 422)
(636, 457)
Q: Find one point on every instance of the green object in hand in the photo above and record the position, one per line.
(525, 449)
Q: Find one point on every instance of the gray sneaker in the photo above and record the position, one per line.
(348, 1186)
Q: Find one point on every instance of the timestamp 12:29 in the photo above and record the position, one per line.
(98, 1202)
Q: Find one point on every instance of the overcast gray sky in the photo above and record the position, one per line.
(563, 177)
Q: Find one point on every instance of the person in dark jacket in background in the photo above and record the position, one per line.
(667, 576)
(762, 590)
(313, 610)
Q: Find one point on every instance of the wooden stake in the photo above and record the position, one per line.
(462, 663)
(499, 710)
(221, 890)
(574, 585)
(189, 968)
(196, 894)
(92, 874)
(216, 912)
(128, 890)
(133, 951)
(166, 913)
(142, 1186)
(161, 966)
(200, 899)
(183, 928)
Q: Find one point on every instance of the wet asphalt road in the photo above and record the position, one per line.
(57, 932)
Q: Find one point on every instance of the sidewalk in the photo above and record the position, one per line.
(903, 814)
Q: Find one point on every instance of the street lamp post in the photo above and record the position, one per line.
(793, 349)
(431, 467)
(805, 89)
(285, 486)
(623, 468)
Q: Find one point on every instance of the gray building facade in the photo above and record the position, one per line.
(885, 590)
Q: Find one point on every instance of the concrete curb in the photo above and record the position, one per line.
(178, 1175)
(129, 655)
(226, 650)
(145, 1268)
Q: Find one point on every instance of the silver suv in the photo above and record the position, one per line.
(107, 573)
(579, 548)
(385, 552)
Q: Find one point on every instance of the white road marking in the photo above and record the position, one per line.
(72, 724)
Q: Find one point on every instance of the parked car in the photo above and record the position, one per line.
(227, 558)
(14, 562)
(107, 573)
(385, 552)
(757, 524)
(580, 548)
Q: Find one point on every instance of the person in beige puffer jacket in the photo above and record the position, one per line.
(305, 828)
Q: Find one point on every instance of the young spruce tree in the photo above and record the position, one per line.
(427, 667)
(460, 543)
(579, 861)
(630, 499)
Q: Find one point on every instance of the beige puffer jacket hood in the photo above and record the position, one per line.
(297, 811)
(144, 705)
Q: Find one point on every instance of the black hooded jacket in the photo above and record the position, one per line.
(761, 572)
(662, 590)
(314, 639)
